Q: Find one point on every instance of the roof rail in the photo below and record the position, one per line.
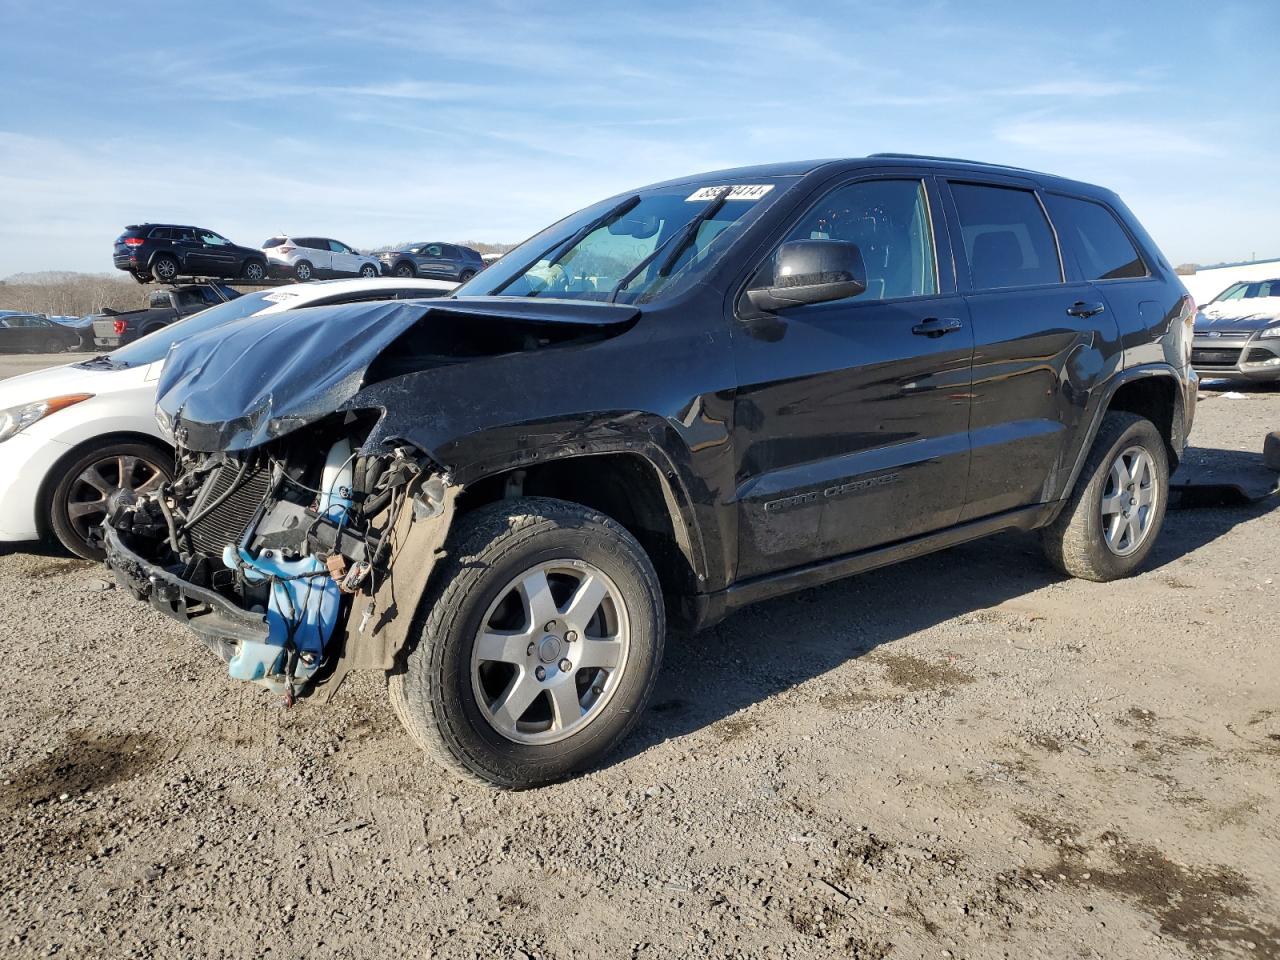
(925, 156)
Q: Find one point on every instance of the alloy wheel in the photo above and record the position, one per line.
(86, 505)
(1129, 501)
(551, 652)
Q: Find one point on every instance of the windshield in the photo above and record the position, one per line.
(154, 346)
(634, 248)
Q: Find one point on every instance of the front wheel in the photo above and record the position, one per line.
(78, 504)
(254, 271)
(368, 271)
(1111, 521)
(539, 644)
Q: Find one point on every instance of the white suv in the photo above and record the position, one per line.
(316, 258)
(72, 436)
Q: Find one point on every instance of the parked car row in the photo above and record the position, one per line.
(166, 252)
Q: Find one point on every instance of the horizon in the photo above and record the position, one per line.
(400, 126)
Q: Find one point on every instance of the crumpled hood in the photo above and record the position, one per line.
(1239, 315)
(265, 376)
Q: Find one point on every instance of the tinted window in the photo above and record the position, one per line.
(272, 242)
(433, 250)
(162, 233)
(889, 221)
(1007, 240)
(1091, 235)
(337, 247)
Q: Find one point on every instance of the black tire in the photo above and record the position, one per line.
(368, 271)
(140, 276)
(431, 689)
(255, 271)
(404, 269)
(52, 345)
(466, 275)
(70, 486)
(303, 271)
(164, 268)
(1075, 543)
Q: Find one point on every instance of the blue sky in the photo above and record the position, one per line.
(379, 122)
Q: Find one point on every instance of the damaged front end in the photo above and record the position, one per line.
(281, 556)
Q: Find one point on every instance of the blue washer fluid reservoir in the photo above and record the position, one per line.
(305, 600)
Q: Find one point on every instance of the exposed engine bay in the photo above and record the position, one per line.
(267, 553)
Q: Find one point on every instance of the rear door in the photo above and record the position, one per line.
(316, 250)
(851, 418)
(1041, 339)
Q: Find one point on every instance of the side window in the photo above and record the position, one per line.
(337, 247)
(433, 250)
(162, 233)
(1091, 235)
(889, 221)
(1007, 240)
(183, 233)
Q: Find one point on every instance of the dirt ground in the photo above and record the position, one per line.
(961, 756)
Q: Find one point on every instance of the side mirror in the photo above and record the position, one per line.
(811, 271)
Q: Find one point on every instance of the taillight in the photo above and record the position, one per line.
(287, 250)
(119, 327)
(133, 241)
(1188, 327)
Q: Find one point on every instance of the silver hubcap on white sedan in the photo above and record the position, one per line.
(1129, 501)
(551, 652)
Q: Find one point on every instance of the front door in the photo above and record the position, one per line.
(345, 263)
(851, 417)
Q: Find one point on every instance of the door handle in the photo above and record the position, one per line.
(1085, 310)
(935, 327)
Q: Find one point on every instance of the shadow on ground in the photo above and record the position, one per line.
(773, 646)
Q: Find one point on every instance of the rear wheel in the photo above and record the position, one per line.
(302, 270)
(52, 345)
(1111, 521)
(254, 271)
(78, 504)
(368, 271)
(404, 269)
(466, 275)
(539, 645)
(164, 268)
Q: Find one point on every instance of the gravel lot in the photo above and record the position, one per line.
(959, 756)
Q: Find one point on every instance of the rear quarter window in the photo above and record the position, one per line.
(272, 242)
(1094, 240)
(1007, 240)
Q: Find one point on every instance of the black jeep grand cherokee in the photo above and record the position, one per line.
(675, 402)
(167, 251)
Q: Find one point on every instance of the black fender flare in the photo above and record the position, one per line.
(1102, 404)
(649, 437)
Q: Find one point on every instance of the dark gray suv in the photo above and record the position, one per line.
(437, 261)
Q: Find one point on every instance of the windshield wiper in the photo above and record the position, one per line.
(101, 360)
(562, 248)
(680, 241)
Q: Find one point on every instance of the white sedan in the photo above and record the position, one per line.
(71, 436)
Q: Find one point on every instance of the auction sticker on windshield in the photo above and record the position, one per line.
(741, 191)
